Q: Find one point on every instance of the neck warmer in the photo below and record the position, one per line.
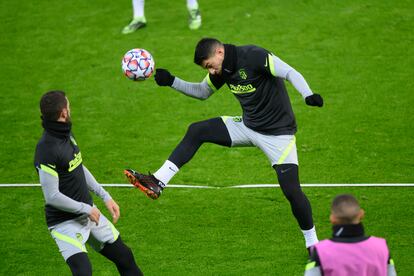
(348, 230)
(57, 129)
(230, 59)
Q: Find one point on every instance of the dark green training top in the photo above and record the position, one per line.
(58, 154)
(249, 73)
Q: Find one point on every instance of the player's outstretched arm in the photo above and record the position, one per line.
(285, 71)
(199, 91)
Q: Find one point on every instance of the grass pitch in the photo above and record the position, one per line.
(358, 56)
(204, 232)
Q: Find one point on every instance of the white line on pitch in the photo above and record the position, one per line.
(17, 185)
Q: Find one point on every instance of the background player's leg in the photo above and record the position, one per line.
(194, 13)
(209, 131)
(288, 176)
(138, 20)
(121, 255)
(138, 7)
(79, 264)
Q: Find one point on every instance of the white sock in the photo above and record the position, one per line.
(138, 7)
(310, 237)
(166, 172)
(192, 4)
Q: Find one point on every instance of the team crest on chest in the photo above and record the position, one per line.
(242, 74)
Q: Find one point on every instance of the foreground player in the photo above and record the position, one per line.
(349, 251)
(255, 77)
(71, 216)
(139, 21)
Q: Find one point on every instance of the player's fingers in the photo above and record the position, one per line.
(116, 214)
(93, 218)
(97, 218)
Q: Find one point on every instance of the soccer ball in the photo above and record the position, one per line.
(138, 64)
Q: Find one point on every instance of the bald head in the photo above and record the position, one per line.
(346, 210)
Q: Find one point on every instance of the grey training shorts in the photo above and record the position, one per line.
(280, 149)
(71, 235)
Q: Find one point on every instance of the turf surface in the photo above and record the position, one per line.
(204, 232)
(358, 56)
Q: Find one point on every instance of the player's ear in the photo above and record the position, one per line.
(64, 113)
(361, 214)
(220, 51)
(333, 219)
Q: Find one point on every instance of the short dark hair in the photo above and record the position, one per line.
(205, 49)
(52, 103)
(346, 208)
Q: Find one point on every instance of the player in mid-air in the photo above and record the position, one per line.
(139, 21)
(71, 216)
(256, 77)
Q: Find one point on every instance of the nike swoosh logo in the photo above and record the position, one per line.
(52, 166)
(172, 169)
(283, 171)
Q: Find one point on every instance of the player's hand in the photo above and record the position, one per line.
(163, 77)
(94, 215)
(113, 208)
(314, 100)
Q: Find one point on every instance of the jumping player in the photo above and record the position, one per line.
(256, 77)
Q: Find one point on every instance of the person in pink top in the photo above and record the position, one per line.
(349, 251)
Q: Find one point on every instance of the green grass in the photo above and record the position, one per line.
(204, 232)
(357, 55)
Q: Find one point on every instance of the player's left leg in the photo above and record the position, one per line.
(105, 239)
(194, 21)
(121, 255)
(288, 177)
(281, 151)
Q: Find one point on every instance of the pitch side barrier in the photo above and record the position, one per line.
(244, 186)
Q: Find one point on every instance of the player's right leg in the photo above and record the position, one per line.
(208, 131)
(79, 264)
(71, 236)
(138, 20)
